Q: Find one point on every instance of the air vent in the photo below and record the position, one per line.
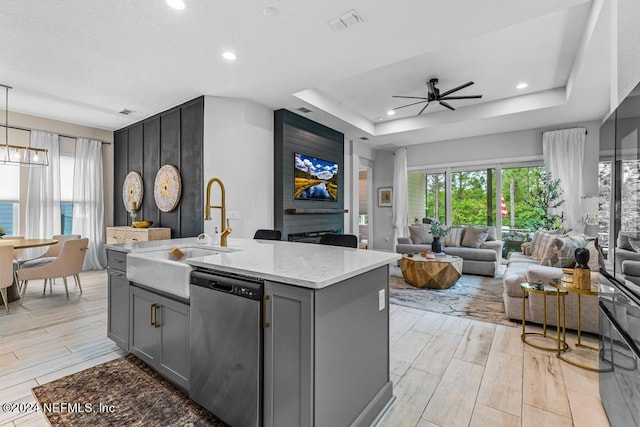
(304, 110)
(345, 21)
(364, 138)
(126, 112)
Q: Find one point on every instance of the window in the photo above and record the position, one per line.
(473, 197)
(66, 193)
(427, 196)
(9, 199)
(518, 184)
(604, 204)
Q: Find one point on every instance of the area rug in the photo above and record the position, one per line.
(122, 392)
(474, 297)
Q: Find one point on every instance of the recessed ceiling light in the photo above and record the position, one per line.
(390, 113)
(176, 4)
(229, 56)
(270, 11)
(521, 85)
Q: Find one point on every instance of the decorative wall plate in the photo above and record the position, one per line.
(167, 188)
(132, 191)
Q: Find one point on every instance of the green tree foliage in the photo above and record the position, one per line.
(545, 199)
(473, 204)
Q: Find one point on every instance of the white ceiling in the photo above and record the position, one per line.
(83, 61)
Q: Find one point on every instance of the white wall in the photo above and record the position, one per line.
(238, 149)
(67, 146)
(382, 217)
(506, 147)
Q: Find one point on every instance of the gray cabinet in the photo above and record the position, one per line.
(326, 352)
(118, 299)
(159, 334)
(288, 356)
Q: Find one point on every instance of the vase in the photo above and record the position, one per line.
(582, 258)
(436, 246)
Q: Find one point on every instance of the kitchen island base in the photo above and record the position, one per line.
(325, 330)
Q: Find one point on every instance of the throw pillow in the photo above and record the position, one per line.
(561, 251)
(454, 238)
(623, 241)
(537, 237)
(474, 237)
(420, 235)
(538, 250)
(492, 233)
(635, 244)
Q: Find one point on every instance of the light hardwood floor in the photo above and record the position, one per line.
(446, 370)
(452, 371)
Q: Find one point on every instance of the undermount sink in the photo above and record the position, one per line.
(155, 270)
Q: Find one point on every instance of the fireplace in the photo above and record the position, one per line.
(310, 236)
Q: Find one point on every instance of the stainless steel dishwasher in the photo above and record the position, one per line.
(226, 346)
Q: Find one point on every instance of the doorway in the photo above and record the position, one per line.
(365, 184)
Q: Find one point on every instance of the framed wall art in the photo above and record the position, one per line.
(385, 197)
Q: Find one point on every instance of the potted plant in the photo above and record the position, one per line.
(438, 231)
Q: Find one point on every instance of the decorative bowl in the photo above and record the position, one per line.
(142, 224)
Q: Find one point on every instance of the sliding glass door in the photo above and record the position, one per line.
(473, 197)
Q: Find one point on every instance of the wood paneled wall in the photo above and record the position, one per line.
(173, 137)
(296, 134)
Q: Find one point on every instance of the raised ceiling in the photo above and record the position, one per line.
(84, 61)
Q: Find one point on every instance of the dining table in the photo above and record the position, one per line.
(18, 244)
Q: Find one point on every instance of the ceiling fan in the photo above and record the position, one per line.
(433, 94)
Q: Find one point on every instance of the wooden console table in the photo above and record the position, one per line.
(127, 234)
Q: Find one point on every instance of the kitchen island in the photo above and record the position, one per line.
(324, 324)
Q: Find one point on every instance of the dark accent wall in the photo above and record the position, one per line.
(296, 134)
(173, 137)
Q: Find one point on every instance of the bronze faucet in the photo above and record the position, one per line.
(225, 230)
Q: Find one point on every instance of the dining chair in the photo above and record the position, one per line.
(6, 273)
(346, 240)
(68, 263)
(52, 251)
(15, 253)
(263, 234)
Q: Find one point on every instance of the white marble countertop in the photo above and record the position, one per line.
(301, 264)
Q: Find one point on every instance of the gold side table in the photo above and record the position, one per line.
(579, 293)
(545, 290)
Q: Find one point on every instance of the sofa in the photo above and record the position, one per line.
(542, 261)
(478, 247)
(627, 256)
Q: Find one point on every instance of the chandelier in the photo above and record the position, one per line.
(17, 154)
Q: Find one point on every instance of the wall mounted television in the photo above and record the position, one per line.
(315, 179)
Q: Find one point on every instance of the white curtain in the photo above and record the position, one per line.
(88, 201)
(400, 195)
(563, 152)
(43, 197)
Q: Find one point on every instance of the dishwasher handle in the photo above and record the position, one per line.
(219, 286)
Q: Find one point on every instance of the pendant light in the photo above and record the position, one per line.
(16, 154)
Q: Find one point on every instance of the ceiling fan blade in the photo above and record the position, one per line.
(455, 89)
(409, 97)
(423, 108)
(462, 97)
(409, 105)
(446, 104)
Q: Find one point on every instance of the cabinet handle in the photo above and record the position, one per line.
(153, 315)
(265, 317)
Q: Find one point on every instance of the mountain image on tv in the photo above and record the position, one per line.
(315, 179)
